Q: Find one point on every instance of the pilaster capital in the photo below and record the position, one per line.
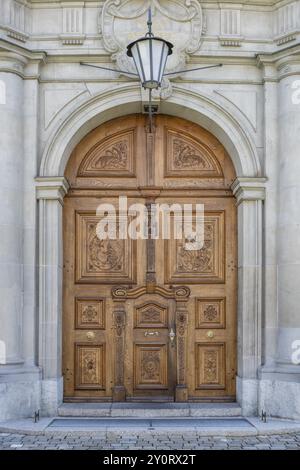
(280, 64)
(12, 62)
(249, 189)
(51, 188)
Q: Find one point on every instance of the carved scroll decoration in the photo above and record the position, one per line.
(119, 317)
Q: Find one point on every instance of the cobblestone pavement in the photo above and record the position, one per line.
(147, 441)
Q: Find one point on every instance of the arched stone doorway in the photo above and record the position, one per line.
(249, 189)
(124, 299)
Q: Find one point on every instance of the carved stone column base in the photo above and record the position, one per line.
(181, 393)
(119, 393)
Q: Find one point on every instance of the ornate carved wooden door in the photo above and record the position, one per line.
(149, 319)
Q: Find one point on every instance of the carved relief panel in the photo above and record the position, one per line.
(210, 313)
(210, 366)
(188, 157)
(89, 313)
(114, 156)
(151, 315)
(90, 366)
(150, 366)
(204, 265)
(107, 261)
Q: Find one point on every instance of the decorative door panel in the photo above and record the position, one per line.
(210, 366)
(89, 314)
(150, 363)
(151, 315)
(90, 366)
(149, 320)
(150, 366)
(210, 313)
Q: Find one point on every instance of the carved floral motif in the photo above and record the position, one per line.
(186, 156)
(110, 156)
(114, 158)
(210, 313)
(89, 373)
(89, 314)
(150, 366)
(210, 366)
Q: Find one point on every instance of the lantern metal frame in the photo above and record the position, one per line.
(167, 49)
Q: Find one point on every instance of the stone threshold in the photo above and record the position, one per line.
(149, 410)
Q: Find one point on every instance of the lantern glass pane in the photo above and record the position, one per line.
(137, 60)
(160, 54)
(144, 49)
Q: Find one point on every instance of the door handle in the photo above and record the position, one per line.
(151, 333)
(172, 336)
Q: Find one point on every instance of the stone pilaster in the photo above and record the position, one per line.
(270, 281)
(280, 382)
(11, 203)
(19, 387)
(50, 193)
(289, 214)
(250, 193)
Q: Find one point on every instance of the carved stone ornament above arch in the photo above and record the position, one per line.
(178, 21)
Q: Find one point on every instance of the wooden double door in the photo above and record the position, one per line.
(144, 319)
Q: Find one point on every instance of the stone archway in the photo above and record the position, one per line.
(248, 189)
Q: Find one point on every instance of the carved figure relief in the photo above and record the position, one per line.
(197, 260)
(104, 255)
(102, 260)
(185, 265)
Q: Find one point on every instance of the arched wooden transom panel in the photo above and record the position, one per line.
(149, 320)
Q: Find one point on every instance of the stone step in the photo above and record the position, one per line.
(149, 410)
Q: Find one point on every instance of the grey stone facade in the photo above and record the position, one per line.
(49, 102)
